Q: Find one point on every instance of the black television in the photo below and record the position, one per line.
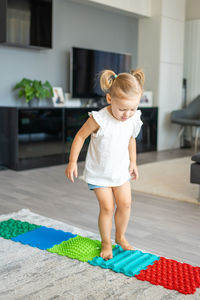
(85, 66)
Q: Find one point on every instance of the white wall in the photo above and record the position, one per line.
(149, 48)
(192, 49)
(192, 9)
(129, 7)
(74, 24)
(171, 70)
(192, 59)
(160, 51)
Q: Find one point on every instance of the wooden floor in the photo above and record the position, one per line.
(165, 227)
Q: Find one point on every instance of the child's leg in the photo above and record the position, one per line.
(106, 205)
(122, 196)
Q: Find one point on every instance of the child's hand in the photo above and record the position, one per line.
(133, 171)
(71, 171)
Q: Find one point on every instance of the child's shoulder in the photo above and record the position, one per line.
(136, 119)
(99, 113)
(137, 116)
(136, 123)
(100, 116)
(137, 113)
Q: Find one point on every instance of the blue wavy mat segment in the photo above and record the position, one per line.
(129, 262)
(43, 237)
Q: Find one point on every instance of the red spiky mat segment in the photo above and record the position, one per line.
(172, 275)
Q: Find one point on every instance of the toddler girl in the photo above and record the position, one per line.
(111, 157)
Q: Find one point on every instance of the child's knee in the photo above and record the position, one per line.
(124, 205)
(107, 209)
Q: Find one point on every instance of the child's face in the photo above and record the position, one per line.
(123, 109)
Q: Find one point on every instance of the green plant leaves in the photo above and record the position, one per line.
(30, 89)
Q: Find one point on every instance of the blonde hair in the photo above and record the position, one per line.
(123, 84)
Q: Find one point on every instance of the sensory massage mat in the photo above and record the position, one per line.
(168, 273)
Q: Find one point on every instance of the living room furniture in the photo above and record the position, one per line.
(189, 116)
(42, 136)
(195, 171)
(25, 23)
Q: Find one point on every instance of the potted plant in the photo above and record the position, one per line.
(33, 89)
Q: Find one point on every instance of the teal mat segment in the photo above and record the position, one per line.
(129, 262)
(12, 228)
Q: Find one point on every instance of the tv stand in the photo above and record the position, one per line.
(35, 137)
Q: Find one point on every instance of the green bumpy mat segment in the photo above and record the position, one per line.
(12, 228)
(80, 248)
(129, 262)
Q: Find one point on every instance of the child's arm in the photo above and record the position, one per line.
(87, 129)
(132, 155)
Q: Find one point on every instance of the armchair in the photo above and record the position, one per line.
(195, 171)
(189, 116)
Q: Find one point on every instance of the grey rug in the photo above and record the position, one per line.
(32, 274)
(167, 179)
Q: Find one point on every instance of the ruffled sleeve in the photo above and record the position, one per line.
(137, 123)
(98, 117)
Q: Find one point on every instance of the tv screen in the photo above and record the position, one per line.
(86, 65)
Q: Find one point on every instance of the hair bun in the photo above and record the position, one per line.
(139, 75)
(106, 79)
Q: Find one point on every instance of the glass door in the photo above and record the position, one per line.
(74, 119)
(40, 132)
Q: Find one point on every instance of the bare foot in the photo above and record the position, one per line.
(123, 243)
(106, 250)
